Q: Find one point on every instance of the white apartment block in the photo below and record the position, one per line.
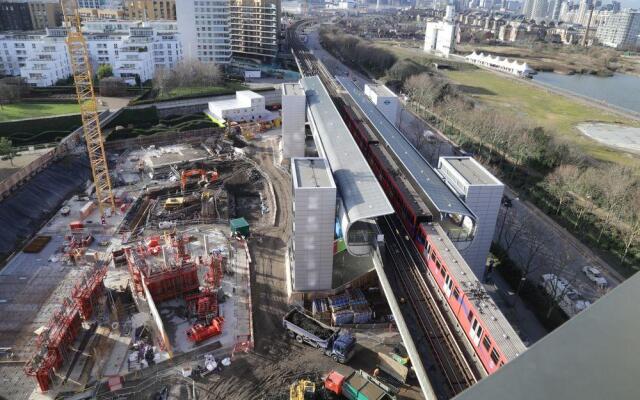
(482, 193)
(131, 48)
(205, 30)
(621, 30)
(440, 35)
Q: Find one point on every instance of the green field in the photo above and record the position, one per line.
(229, 88)
(557, 113)
(12, 112)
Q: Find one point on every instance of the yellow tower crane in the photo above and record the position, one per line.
(82, 77)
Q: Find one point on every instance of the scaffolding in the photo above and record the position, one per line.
(82, 76)
(52, 344)
(175, 275)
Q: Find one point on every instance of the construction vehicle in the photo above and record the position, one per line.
(199, 332)
(206, 177)
(388, 366)
(335, 343)
(358, 386)
(173, 203)
(302, 389)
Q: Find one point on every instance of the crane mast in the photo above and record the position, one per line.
(82, 77)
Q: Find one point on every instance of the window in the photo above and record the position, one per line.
(456, 294)
(495, 357)
(433, 256)
(486, 342)
(470, 315)
(442, 271)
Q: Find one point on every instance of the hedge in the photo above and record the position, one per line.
(40, 130)
(141, 118)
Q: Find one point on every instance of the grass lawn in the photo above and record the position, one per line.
(557, 113)
(11, 112)
(229, 88)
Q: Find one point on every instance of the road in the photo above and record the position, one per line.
(558, 244)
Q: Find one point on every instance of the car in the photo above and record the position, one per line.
(506, 201)
(595, 276)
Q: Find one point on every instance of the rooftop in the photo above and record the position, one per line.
(433, 187)
(381, 90)
(501, 330)
(471, 170)
(359, 189)
(292, 89)
(312, 173)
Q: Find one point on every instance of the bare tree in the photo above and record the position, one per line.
(616, 184)
(632, 217)
(189, 73)
(561, 182)
(8, 94)
(531, 252)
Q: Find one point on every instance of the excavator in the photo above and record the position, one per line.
(206, 177)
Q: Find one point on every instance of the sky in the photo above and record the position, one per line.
(628, 3)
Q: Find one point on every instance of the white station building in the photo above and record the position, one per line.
(247, 106)
(385, 100)
(293, 120)
(482, 193)
(314, 192)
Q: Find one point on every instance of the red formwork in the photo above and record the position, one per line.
(213, 276)
(173, 282)
(203, 305)
(61, 331)
(87, 290)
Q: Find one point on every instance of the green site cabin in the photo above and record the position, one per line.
(239, 226)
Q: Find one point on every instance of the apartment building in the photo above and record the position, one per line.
(26, 15)
(217, 30)
(254, 26)
(621, 30)
(204, 27)
(133, 49)
(150, 9)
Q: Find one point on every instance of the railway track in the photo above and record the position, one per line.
(408, 266)
(449, 356)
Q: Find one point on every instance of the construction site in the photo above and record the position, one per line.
(157, 293)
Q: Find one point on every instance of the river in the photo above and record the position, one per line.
(619, 90)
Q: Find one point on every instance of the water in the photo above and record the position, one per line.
(619, 90)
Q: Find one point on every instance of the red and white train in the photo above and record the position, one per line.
(492, 337)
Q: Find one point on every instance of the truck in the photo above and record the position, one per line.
(358, 386)
(333, 342)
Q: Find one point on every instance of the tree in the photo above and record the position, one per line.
(8, 94)
(632, 217)
(104, 71)
(561, 182)
(6, 148)
(531, 252)
(189, 73)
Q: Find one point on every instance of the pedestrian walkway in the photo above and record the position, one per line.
(523, 320)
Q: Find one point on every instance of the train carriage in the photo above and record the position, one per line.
(491, 335)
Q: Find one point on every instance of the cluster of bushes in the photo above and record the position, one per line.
(42, 130)
(357, 52)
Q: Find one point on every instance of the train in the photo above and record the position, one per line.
(491, 336)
